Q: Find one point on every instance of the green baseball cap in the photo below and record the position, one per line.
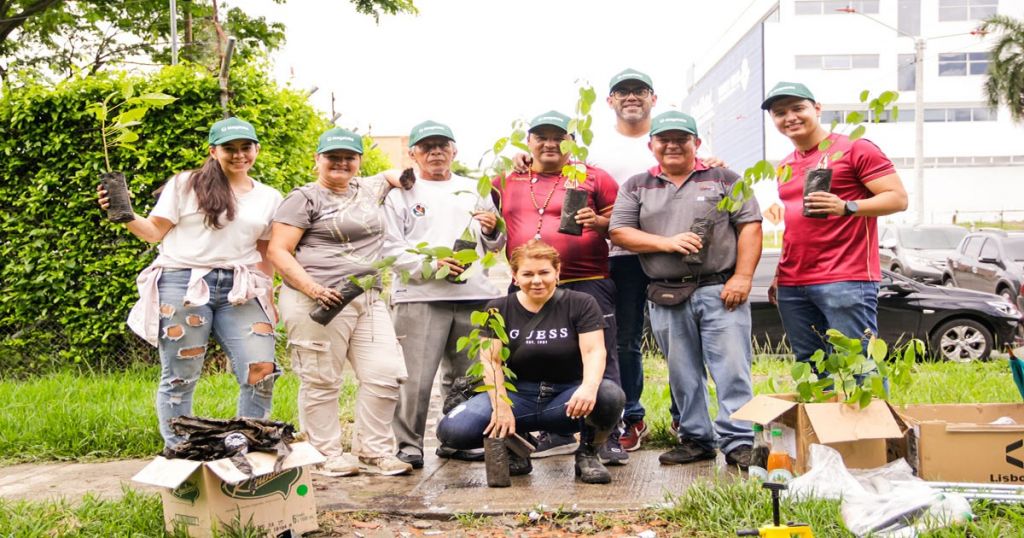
(231, 129)
(553, 118)
(786, 89)
(338, 138)
(673, 120)
(630, 74)
(428, 129)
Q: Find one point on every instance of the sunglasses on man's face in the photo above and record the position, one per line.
(622, 93)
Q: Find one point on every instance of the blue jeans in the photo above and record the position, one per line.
(244, 332)
(808, 311)
(537, 406)
(630, 299)
(701, 336)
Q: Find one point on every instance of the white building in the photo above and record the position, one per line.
(973, 156)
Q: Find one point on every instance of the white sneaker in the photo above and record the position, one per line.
(384, 465)
(338, 466)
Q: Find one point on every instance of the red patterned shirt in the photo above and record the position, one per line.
(525, 196)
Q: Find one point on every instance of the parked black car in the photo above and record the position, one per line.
(957, 325)
(991, 261)
(918, 252)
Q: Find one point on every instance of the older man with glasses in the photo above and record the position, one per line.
(431, 314)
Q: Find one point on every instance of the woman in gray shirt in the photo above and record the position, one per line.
(324, 232)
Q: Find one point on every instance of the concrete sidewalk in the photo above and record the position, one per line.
(441, 487)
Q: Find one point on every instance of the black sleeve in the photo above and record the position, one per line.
(586, 313)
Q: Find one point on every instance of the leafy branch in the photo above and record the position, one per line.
(118, 131)
(876, 107)
(858, 378)
(576, 146)
(477, 341)
(464, 257)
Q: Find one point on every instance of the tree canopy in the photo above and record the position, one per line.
(1005, 83)
(56, 38)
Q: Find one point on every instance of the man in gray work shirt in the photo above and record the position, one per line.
(699, 287)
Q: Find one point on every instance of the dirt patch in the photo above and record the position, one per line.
(536, 524)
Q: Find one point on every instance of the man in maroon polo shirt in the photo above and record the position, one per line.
(829, 270)
(531, 204)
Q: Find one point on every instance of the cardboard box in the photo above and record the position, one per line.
(957, 443)
(205, 495)
(861, 436)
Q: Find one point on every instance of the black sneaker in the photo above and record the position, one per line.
(518, 465)
(740, 456)
(612, 453)
(472, 454)
(686, 452)
(415, 460)
(588, 467)
(555, 444)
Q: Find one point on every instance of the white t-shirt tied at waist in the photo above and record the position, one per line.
(192, 245)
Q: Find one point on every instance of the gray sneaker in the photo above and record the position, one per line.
(555, 444)
(612, 453)
(384, 465)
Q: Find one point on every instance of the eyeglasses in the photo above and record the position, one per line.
(623, 93)
(428, 146)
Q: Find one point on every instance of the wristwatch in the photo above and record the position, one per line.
(851, 208)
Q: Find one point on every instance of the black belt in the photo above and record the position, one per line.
(710, 279)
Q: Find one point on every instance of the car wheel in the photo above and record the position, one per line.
(897, 269)
(961, 340)
(1006, 294)
(948, 282)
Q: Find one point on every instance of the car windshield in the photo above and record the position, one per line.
(932, 238)
(1015, 248)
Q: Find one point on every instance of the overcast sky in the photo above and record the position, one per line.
(477, 65)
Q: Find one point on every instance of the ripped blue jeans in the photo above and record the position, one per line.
(243, 331)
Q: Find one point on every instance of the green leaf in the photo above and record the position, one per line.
(887, 97)
(478, 318)
(461, 343)
(894, 114)
(127, 137)
(857, 133)
(499, 146)
(836, 156)
(865, 399)
(854, 117)
(785, 173)
(878, 349)
(157, 99)
(567, 146)
(824, 144)
(133, 114)
(588, 137)
(483, 187)
(442, 272)
(800, 370)
(864, 96)
(127, 89)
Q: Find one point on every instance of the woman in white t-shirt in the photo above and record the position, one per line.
(212, 276)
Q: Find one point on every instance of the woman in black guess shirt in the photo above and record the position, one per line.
(558, 361)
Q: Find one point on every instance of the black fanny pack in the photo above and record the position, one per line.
(674, 291)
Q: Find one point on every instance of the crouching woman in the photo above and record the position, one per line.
(558, 358)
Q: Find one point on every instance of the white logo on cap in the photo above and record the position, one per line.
(234, 128)
(342, 138)
(674, 120)
(781, 88)
(550, 118)
(432, 128)
(625, 75)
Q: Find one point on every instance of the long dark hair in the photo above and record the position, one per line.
(213, 193)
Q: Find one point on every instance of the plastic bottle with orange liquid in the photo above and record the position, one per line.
(780, 466)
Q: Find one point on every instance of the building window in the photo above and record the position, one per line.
(961, 64)
(908, 17)
(837, 61)
(831, 7)
(966, 10)
(906, 115)
(906, 73)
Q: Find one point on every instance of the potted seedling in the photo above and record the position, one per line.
(576, 169)
(495, 448)
(350, 289)
(818, 179)
(117, 131)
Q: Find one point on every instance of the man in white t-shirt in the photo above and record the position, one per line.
(623, 153)
(431, 314)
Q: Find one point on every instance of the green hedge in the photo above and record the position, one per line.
(68, 275)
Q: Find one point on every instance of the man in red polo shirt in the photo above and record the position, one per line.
(829, 270)
(531, 204)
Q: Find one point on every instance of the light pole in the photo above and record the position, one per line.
(919, 43)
